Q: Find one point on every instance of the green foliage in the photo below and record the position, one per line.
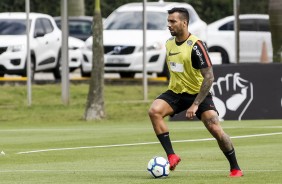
(51, 7)
(212, 10)
(254, 6)
(209, 10)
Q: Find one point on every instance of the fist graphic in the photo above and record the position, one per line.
(232, 96)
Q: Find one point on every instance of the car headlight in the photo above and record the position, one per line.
(15, 48)
(155, 46)
(152, 47)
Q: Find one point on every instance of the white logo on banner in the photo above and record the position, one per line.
(232, 94)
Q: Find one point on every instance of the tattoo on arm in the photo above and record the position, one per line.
(206, 85)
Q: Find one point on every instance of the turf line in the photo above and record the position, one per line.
(144, 143)
(90, 129)
(120, 170)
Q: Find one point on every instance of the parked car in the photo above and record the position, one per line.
(254, 32)
(75, 52)
(45, 44)
(79, 26)
(123, 38)
(79, 31)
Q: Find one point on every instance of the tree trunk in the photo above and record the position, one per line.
(275, 18)
(95, 100)
(76, 8)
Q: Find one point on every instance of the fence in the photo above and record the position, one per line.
(246, 91)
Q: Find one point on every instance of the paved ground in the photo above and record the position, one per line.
(42, 78)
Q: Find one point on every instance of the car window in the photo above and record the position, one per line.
(39, 27)
(47, 25)
(229, 26)
(134, 20)
(263, 25)
(12, 27)
(80, 27)
(248, 25)
(245, 25)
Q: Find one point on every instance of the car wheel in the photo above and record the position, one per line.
(127, 74)
(84, 74)
(224, 55)
(57, 69)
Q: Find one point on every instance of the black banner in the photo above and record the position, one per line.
(246, 91)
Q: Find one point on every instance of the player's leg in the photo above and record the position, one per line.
(211, 121)
(158, 110)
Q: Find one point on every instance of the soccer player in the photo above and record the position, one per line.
(191, 77)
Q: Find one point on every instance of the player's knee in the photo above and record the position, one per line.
(153, 112)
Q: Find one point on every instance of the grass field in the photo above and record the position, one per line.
(50, 143)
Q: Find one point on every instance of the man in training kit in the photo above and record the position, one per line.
(191, 77)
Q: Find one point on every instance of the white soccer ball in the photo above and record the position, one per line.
(158, 167)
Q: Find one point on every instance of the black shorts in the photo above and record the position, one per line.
(182, 101)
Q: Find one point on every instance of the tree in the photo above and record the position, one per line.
(275, 18)
(76, 7)
(95, 100)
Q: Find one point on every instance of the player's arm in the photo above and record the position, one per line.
(201, 60)
(206, 85)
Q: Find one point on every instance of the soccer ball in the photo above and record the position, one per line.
(158, 167)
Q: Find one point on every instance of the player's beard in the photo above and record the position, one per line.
(172, 33)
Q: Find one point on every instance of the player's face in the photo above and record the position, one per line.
(175, 25)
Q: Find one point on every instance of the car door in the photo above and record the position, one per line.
(43, 46)
(39, 44)
(54, 43)
(249, 36)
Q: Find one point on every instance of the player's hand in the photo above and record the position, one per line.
(191, 112)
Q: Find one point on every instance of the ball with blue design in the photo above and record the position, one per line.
(158, 167)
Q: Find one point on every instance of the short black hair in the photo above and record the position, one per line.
(182, 11)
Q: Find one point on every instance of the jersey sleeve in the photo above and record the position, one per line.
(200, 56)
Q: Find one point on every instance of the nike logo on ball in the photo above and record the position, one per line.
(173, 53)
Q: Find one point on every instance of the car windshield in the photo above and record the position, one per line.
(134, 20)
(78, 26)
(12, 27)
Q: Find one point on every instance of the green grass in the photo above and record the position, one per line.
(48, 124)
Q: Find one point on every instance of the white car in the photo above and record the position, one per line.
(123, 38)
(79, 31)
(45, 44)
(254, 32)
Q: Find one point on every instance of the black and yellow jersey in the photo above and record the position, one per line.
(184, 61)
